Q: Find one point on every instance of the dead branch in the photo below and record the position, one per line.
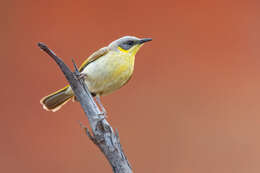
(103, 135)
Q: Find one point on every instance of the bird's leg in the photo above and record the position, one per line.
(104, 112)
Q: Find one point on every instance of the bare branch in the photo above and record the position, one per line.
(103, 135)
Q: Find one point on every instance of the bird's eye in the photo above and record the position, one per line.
(127, 44)
(131, 43)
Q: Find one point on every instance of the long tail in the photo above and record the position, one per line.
(56, 100)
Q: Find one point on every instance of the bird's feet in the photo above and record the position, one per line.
(82, 76)
(102, 115)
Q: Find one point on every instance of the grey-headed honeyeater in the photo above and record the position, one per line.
(105, 71)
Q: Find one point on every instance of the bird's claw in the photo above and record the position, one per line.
(102, 115)
(82, 76)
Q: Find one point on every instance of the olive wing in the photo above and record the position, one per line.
(99, 53)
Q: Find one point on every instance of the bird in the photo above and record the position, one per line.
(104, 71)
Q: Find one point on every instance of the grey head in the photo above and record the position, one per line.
(127, 42)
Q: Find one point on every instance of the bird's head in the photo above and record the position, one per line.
(128, 44)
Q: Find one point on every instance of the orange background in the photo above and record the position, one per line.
(192, 105)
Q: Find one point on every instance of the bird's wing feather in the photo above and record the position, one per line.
(94, 57)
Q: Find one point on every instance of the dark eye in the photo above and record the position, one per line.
(131, 43)
(127, 44)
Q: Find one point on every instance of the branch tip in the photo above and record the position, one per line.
(42, 46)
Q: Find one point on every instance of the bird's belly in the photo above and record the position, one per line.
(107, 74)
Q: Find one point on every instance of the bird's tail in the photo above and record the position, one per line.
(56, 100)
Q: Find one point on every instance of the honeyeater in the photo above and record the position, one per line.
(105, 71)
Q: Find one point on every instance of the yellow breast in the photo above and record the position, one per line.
(109, 72)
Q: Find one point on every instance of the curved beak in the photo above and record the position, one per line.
(143, 40)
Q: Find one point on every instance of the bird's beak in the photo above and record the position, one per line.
(143, 40)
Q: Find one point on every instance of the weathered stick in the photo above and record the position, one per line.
(103, 135)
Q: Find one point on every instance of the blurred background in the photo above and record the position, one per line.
(191, 106)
